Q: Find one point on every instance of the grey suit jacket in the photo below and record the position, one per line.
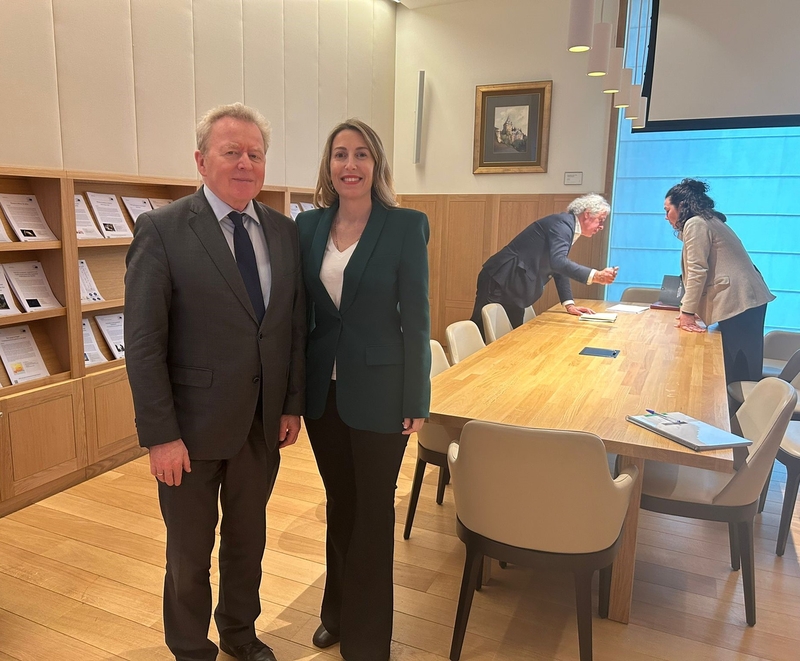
(719, 278)
(197, 359)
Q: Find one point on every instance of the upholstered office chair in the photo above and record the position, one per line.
(732, 498)
(463, 339)
(541, 498)
(495, 322)
(739, 391)
(640, 295)
(789, 456)
(432, 443)
(779, 347)
(529, 314)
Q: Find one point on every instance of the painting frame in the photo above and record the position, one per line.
(509, 148)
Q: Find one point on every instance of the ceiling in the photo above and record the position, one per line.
(417, 4)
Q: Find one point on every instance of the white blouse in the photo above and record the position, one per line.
(331, 274)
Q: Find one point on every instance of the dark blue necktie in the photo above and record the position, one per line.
(246, 261)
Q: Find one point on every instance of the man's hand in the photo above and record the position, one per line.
(688, 322)
(578, 310)
(289, 430)
(411, 425)
(168, 461)
(606, 276)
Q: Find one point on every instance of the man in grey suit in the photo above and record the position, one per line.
(215, 340)
(516, 276)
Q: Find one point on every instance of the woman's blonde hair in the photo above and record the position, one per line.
(325, 194)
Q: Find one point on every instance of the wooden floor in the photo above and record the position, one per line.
(81, 576)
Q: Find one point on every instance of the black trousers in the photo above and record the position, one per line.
(359, 469)
(489, 291)
(743, 345)
(241, 485)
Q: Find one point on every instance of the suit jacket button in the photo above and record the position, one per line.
(261, 336)
(256, 379)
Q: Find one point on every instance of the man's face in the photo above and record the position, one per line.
(233, 165)
(592, 224)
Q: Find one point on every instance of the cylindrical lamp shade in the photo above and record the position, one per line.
(611, 81)
(622, 99)
(632, 111)
(639, 122)
(581, 20)
(601, 47)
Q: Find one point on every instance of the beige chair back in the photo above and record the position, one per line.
(530, 313)
(433, 436)
(640, 295)
(439, 362)
(763, 419)
(781, 345)
(463, 339)
(495, 322)
(537, 488)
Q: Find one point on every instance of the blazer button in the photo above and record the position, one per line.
(261, 336)
(256, 379)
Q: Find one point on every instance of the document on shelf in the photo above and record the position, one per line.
(20, 355)
(307, 206)
(601, 317)
(84, 223)
(158, 202)
(294, 210)
(91, 352)
(29, 282)
(109, 215)
(136, 206)
(112, 326)
(25, 217)
(625, 307)
(89, 291)
(688, 431)
(7, 303)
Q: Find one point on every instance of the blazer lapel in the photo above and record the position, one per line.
(358, 262)
(315, 256)
(206, 226)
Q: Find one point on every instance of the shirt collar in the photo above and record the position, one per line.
(222, 209)
(577, 234)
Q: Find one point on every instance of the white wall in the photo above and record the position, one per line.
(485, 42)
(118, 85)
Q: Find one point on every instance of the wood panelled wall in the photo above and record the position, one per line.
(467, 229)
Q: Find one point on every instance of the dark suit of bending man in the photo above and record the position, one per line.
(215, 339)
(516, 276)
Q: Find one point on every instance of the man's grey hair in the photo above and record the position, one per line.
(236, 111)
(592, 202)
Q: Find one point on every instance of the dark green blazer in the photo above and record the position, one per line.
(380, 335)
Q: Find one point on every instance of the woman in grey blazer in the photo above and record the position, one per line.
(721, 282)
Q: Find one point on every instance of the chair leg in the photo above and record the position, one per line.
(444, 479)
(604, 591)
(763, 499)
(733, 537)
(748, 570)
(472, 573)
(479, 577)
(583, 602)
(419, 473)
(789, 498)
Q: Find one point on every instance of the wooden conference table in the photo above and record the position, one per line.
(534, 377)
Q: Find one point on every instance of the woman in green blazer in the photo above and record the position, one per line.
(365, 265)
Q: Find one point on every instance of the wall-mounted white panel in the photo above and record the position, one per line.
(332, 67)
(359, 59)
(384, 25)
(31, 134)
(263, 76)
(95, 84)
(301, 72)
(218, 62)
(163, 68)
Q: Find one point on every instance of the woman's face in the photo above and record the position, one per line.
(351, 165)
(672, 213)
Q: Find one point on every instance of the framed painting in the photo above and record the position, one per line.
(512, 127)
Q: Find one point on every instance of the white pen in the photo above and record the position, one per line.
(674, 421)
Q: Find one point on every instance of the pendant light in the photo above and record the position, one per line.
(611, 81)
(632, 111)
(639, 122)
(622, 99)
(601, 45)
(581, 19)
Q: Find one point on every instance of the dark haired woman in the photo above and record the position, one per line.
(721, 282)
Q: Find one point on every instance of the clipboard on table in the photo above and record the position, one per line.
(671, 293)
(688, 431)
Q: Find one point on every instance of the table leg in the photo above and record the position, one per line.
(622, 577)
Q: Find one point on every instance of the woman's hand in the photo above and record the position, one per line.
(688, 322)
(412, 425)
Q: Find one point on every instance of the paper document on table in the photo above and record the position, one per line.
(91, 352)
(112, 326)
(20, 355)
(7, 303)
(136, 206)
(601, 317)
(688, 431)
(294, 210)
(25, 217)
(109, 215)
(29, 282)
(89, 291)
(625, 307)
(158, 202)
(307, 206)
(84, 223)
